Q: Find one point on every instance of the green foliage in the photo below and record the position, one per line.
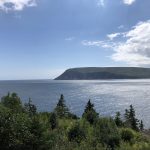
(53, 121)
(18, 130)
(23, 128)
(118, 120)
(89, 113)
(38, 139)
(30, 108)
(14, 129)
(107, 133)
(130, 119)
(76, 133)
(136, 146)
(61, 109)
(12, 101)
(127, 134)
(72, 116)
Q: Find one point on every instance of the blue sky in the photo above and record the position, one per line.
(42, 38)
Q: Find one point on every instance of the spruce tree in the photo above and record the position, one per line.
(89, 113)
(89, 107)
(130, 119)
(61, 109)
(134, 121)
(126, 115)
(118, 120)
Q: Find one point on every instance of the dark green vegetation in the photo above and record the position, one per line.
(95, 73)
(23, 128)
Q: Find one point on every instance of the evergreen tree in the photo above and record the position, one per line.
(126, 115)
(141, 126)
(89, 107)
(89, 113)
(130, 119)
(134, 121)
(53, 121)
(61, 109)
(118, 120)
(38, 138)
(30, 108)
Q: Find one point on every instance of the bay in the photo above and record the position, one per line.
(108, 96)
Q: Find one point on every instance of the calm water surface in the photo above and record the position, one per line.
(108, 96)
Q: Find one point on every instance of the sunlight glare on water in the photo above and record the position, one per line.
(108, 96)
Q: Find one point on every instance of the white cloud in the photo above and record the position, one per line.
(113, 35)
(92, 43)
(103, 44)
(101, 3)
(135, 50)
(16, 5)
(128, 2)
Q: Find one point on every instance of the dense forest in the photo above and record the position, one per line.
(22, 127)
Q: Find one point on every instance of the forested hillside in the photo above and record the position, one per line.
(95, 73)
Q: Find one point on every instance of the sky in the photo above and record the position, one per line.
(39, 39)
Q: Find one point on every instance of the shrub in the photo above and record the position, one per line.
(53, 121)
(127, 134)
(76, 133)
(107, 133)
(13, 102)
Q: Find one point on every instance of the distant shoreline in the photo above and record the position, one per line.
(105, 73)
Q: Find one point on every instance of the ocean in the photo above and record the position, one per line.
(108, 96)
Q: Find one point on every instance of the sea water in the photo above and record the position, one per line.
(108, 96)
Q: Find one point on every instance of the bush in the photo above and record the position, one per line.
(127, 134)
(14, 130)
(136, 146)
(13, 102)
(53, 121)
(76, 133)
(107, 133)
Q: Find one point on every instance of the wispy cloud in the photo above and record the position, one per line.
(101, 3)
(103, 44)
(128, 2)
(92, 43)
(113, 35)
(16, 5)
(135, 50)
(70, 38)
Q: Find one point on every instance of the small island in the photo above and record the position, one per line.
(98, 73)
